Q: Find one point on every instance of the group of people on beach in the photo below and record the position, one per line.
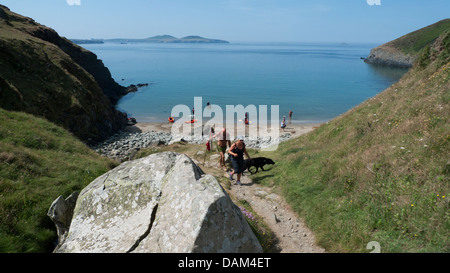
(283, 122)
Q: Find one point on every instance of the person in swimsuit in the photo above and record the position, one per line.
(283, 123)
(223, 139)
(237, 151)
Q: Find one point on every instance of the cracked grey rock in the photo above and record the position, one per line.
(160, 203)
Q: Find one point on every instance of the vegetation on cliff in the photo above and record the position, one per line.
(379, 172)
(414, 42)
(46, 75)
(404, 51)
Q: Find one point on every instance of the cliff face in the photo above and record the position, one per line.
(86, 59)
(46, 75)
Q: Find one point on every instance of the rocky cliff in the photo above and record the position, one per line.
(160, 203)
(404, 51)
(389, 56)
(44, 74)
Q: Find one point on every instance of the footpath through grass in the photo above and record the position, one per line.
(379, 172)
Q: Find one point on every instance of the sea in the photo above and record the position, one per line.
(316, 81)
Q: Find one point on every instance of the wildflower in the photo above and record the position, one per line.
(247, 214)
(412, 205)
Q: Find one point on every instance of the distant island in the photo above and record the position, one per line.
(154, 39)
(85, 41)
(187, 39)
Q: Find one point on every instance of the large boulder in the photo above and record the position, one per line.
(160, 203)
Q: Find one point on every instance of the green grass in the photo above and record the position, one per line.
(41, 74)
(379, 172)
(414, 42)
(39, 161)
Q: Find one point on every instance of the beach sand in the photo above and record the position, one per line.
(295, 129)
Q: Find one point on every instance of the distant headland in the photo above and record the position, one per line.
(154, 39)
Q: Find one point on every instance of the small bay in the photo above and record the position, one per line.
(316, 81)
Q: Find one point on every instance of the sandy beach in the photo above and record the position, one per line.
(295, 129)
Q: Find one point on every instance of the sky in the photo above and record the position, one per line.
(350, 21)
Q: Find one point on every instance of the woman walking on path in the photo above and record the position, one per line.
(236, 152)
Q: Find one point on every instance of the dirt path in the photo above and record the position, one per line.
(292, 234)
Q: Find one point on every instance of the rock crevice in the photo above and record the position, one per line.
(147, 232)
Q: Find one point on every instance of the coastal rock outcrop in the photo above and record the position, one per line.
(404, 51)
(388, 56)
(160, 203)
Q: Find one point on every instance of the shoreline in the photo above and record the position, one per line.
(126, 143)
(294, 129)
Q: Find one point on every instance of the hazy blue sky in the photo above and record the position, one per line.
(236, 20)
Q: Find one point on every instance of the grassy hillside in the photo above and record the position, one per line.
(379, 172)
(46, 75)
(39, 161)
(414, 42)
(404, 51)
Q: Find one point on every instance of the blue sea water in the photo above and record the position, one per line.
(316, 81)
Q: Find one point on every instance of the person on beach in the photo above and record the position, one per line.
(237, 151)
(223, 139)
(290, 116)
(283, 123)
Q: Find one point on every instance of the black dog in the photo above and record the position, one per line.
(257, 162)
